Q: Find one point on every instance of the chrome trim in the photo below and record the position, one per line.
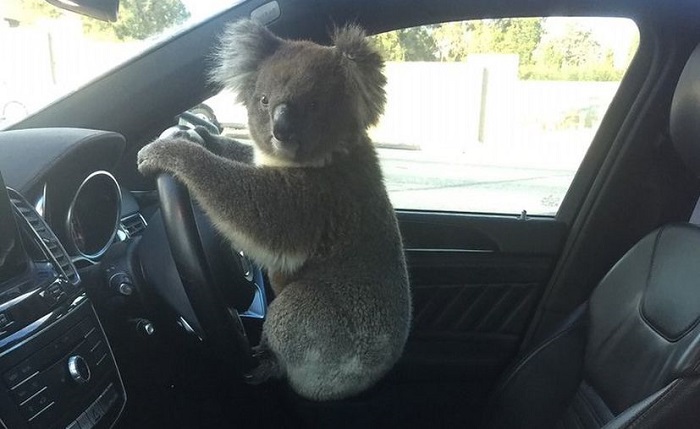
(42, 320)
(24, 331)
(449, 250)
(188, 328)
(15, 300)
(42, 410)
(117, 220)
(116, 368)
(40, 240)
(40, 205)
(33, 396)
(122, 227)
(74, 370)
(25, 380)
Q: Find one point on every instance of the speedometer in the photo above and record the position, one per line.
(93, 216)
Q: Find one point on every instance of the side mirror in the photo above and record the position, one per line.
(104, 10)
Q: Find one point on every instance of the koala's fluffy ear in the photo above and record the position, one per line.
(364, 67)
(242, 48)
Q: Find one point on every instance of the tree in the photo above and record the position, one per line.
(521, 36)
(410, 44)
(389, 45)
(518, 36)
(418, 44)
(568, 53)
(29, 11)
(452, 40)
(139, 19)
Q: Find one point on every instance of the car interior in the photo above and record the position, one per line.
(121, 306)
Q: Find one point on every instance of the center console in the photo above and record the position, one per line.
(56, 366)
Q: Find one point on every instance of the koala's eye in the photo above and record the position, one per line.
(264, 101)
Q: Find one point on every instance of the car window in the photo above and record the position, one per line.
(48, 52)
(488, 116)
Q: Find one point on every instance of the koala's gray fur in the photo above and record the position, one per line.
(311, 207)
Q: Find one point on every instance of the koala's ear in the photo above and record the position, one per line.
(242, 48)
(364, 67)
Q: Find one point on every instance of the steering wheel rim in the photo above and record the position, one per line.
(220, 325)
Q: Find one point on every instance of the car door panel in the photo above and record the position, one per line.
(476, 280)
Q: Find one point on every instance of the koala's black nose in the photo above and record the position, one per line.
(282, 124)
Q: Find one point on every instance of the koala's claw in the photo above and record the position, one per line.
(163, 155)
(261, 373)
(267, 367)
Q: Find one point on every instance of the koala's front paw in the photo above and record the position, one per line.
(163, 155)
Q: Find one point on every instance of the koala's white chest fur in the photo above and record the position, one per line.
(260, 254)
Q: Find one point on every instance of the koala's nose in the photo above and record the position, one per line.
(282, 124)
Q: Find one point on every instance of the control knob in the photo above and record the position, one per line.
(78, 369)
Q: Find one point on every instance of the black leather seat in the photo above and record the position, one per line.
(629, 358)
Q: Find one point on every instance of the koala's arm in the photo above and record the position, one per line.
(276, 209)
(226, 147)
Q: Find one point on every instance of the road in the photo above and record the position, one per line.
(423, 180)
(417, 181)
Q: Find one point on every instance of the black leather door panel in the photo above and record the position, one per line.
(476, 281)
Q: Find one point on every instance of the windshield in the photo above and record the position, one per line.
(48, 52)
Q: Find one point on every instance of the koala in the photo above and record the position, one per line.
(307, 203)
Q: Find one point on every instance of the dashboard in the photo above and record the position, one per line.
(59, 215)
(86, 276)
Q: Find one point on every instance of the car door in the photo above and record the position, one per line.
(486, 127)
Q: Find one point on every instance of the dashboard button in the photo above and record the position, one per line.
(19, 373)
(95, 412)
(46, 417)
(36, 404)
(26, 389)
(85, 421)
(109, 398)
(74, 425)
(5, 320)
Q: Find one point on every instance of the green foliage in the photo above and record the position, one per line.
(411, 44)
(389, 45)
(138, 20)
(452, 40)
(32, 10)
(510, 36)
(572, 55)
(418, 44)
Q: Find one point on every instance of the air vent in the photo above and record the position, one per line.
(45, 237)
(133, 225)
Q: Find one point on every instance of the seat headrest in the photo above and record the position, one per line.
(685, 114)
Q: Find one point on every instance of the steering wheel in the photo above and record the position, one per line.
(200, 257)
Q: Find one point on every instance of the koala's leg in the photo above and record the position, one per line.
(226, 147)
(271, 214)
